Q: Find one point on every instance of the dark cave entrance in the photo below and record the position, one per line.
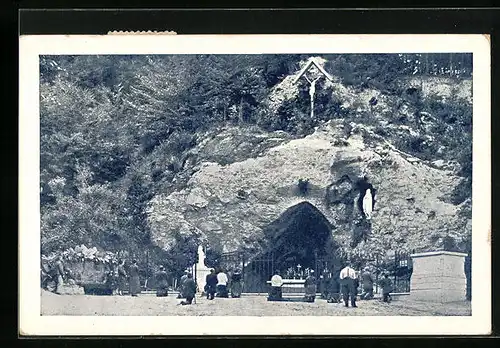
(301, 235)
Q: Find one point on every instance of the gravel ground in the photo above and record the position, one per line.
(150, 305)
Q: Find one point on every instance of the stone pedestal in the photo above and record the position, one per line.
(438, 276)
(201, 270)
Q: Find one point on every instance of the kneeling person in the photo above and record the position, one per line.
(310, 285)
(275, 293)
(211, 283)
(367, 285)
(334, 290)
(236, 286)
(387, 288)
(161, 278)
(222, 281)
(189, 290)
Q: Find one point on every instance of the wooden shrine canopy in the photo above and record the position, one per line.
(309, 64)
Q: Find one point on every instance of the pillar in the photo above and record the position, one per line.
(438, 276)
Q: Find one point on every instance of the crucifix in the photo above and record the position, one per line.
(312, 90)
(312, 82)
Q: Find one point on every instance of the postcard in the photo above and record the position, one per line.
(254, 185)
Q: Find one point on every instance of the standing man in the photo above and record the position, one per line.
(222, 284)
(122, 277)
(161, 278)
(347, 280)
(134, 282)
(211, 283)
(189, 289)
(59, 272)
(310, 285)
(367, 281)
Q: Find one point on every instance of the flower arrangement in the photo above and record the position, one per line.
(82, 253)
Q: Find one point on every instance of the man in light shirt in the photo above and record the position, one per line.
(222, 284)
(347, 278)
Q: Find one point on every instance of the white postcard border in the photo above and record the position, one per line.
(32, 323)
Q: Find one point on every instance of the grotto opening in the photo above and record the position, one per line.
(300, 235)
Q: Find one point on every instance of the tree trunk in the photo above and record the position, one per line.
(241, 110)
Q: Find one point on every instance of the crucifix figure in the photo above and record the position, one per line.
(312, 83)
(312, 91)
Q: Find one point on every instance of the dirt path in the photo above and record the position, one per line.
(149, 305)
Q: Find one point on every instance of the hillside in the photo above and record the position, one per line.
(158, 154)
(231, 204)
(239, 187)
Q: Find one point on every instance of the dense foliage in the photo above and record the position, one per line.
(115, 129)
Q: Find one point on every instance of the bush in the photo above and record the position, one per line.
(181, 141)
(381, 131)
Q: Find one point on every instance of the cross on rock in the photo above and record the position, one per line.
(312, 83)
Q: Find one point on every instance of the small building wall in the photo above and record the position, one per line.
(438, 277)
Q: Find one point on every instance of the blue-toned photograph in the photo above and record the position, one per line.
(256, 185)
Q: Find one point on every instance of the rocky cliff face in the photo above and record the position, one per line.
(246, 180)
(240, 180)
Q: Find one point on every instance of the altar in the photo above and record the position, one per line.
(292, 287)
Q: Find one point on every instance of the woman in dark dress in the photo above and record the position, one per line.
(161, 283)
(236, 285)
(135, 286)
(122, 277)
(310, 287)
(334, 290)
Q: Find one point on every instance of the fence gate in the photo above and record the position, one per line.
(403, 269)
(255, 273)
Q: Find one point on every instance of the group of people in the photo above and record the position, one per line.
(276, 293)
(343, 287)
(56, 273)
(219, 284)
(131, 277)
(349, 281)
(216, 285)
